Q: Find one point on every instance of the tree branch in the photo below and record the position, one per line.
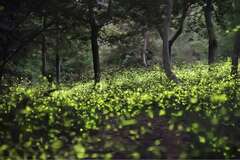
(24, 43)
(181, 24)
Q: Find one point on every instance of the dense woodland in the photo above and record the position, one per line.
(116, 79)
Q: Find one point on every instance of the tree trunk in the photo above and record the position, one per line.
(236, 54)
(44, 50)
(58, 61)
(212, 48)
(1, 73)
(58, 68)
(1, 78)
(170, 51)
(95, 46)
(44, 56)
(4, 61)
(165, 38)
(145, 48)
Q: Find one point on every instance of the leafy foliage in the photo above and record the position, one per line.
(136, 114)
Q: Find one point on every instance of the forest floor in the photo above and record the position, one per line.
(134, 114)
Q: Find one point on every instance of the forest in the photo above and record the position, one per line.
(119, 79)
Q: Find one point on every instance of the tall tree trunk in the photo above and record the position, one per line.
(145, 48)
(3, 61)
(44, 50)
(58, 68)
(1, 78)
(165, 38)
(58, 60)
(236, 54)
(44, 56)
(94, 43)
(212, 48)
(1, 72)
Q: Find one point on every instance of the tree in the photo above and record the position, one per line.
(96, 22)
(94, 42)
(236, 53)
(164, 32)
(18, 28)
(182, 11)
(57, 54)
(227, 14)
(44, 49)
(212, 48)
(145, 48)
(157, 15)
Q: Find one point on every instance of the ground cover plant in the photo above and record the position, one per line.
(134, 114)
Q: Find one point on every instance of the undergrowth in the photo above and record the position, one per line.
(136, 113)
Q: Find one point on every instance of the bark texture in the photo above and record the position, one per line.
(165, 38)
(44, 50)
(236, 54)
(58, 60)
(94, 43)
(145, 49)
(212, 48)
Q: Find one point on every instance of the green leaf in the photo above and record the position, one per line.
(80, 151)
(202, 139)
